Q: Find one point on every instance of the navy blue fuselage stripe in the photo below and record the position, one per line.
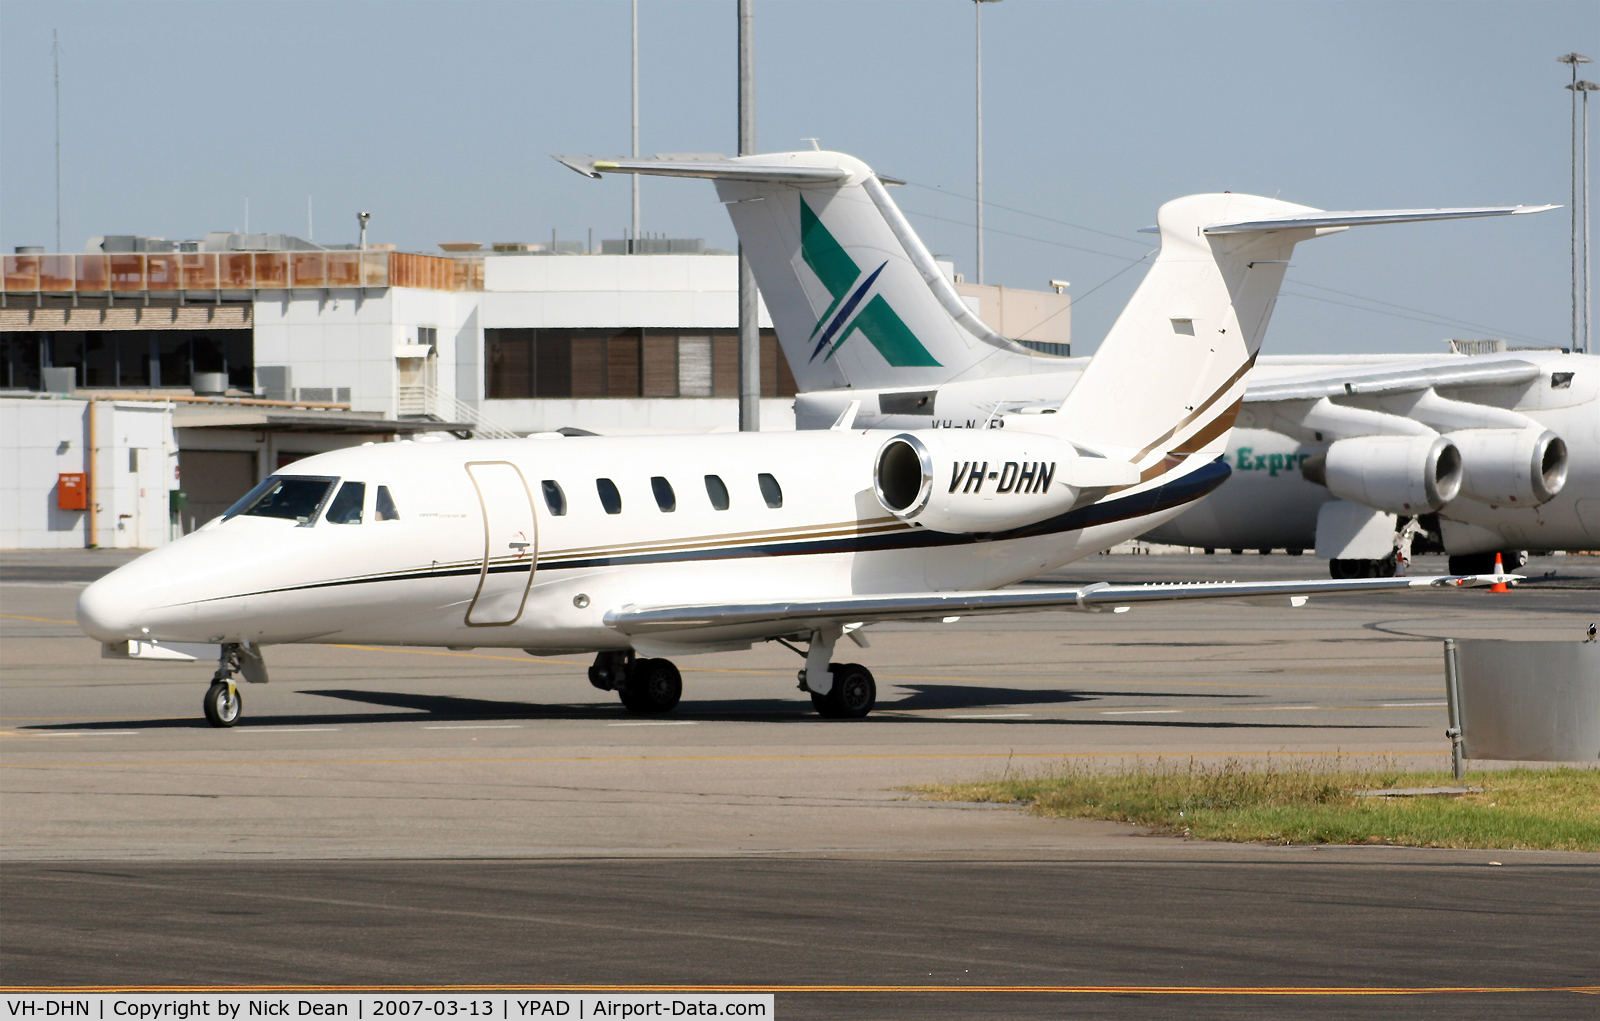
(1179, 491)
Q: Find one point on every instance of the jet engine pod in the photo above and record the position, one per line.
(979, 480)
(1511, 467)
(1398, 474)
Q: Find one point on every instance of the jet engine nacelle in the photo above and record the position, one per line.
(1511, 467)
(979, 480)
(1397, 474)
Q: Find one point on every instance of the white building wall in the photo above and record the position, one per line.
(613, 415)
(613, 291)
(41, 439)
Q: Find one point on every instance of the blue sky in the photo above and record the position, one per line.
(438, 117)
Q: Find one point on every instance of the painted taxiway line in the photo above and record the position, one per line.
(476, 726)
(1106, 990)
(912, 756)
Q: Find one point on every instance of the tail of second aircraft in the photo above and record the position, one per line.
(855, 297)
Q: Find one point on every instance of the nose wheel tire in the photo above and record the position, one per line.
(223, 704)
(654, 686)
(852, 696)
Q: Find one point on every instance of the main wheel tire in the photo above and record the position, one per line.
(654, 686)
(852, 696)
(222, 704)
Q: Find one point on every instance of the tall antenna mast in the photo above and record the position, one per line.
(1572, 60)
(633, 243)
(749, 323)
(977, 6)
(55, 53)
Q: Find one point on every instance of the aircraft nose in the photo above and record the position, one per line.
(110, 609)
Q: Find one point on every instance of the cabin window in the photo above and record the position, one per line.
(385, 509)
(770, 490)
(610, 499)
(665, 498)
(554, 498)
(292, 497)
(346, 507)
(717, 492)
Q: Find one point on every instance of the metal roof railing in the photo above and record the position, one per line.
(178, 272)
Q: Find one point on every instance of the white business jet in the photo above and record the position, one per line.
(642, 548)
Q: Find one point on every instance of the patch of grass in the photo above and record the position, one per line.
(1297, 802)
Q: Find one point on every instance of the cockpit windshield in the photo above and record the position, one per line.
(294, 497)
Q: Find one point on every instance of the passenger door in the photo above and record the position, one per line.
(510, 543)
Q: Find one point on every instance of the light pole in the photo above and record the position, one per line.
(1587, 324)
(362, 219)
(633, 242)
(977, 7)
(749, 325)
(55, 53)
(1572, 60)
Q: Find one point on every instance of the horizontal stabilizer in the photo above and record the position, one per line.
(1322, 220)
(716, 170)
(1507, 372)
(789, 617)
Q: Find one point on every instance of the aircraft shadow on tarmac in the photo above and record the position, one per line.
(415, 708)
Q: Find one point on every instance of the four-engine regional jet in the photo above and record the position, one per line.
(638, 549)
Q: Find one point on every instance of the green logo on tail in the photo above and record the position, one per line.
(849, 284)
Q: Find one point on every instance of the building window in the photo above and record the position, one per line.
(770, 490)
(717, 492)
(570, 363)
(554, 498)
(128, 358)
(665, 498)
(610, 499)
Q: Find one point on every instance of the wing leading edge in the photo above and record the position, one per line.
(778, 619)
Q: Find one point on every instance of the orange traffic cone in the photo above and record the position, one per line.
(1499, 570)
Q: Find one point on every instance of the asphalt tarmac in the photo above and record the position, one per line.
(391, 815)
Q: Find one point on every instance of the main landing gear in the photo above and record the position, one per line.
(839, 691)
(645, 686)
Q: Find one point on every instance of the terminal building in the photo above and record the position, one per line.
(251, 351)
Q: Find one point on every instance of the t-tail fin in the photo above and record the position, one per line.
(1166, 383)
(854, 295)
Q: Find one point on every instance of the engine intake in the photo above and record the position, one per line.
(1511, 467)
(1398, 474)
(969, 480)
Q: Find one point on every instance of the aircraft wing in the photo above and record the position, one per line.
(1501, 372)
(776, 619)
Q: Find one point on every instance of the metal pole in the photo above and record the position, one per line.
(1452, 692)
(1572, 60)
(749, 325)
(977, 7)
(1588, 309)
(55, 52)
(633, 241)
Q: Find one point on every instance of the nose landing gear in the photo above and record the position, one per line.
(222, 703)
